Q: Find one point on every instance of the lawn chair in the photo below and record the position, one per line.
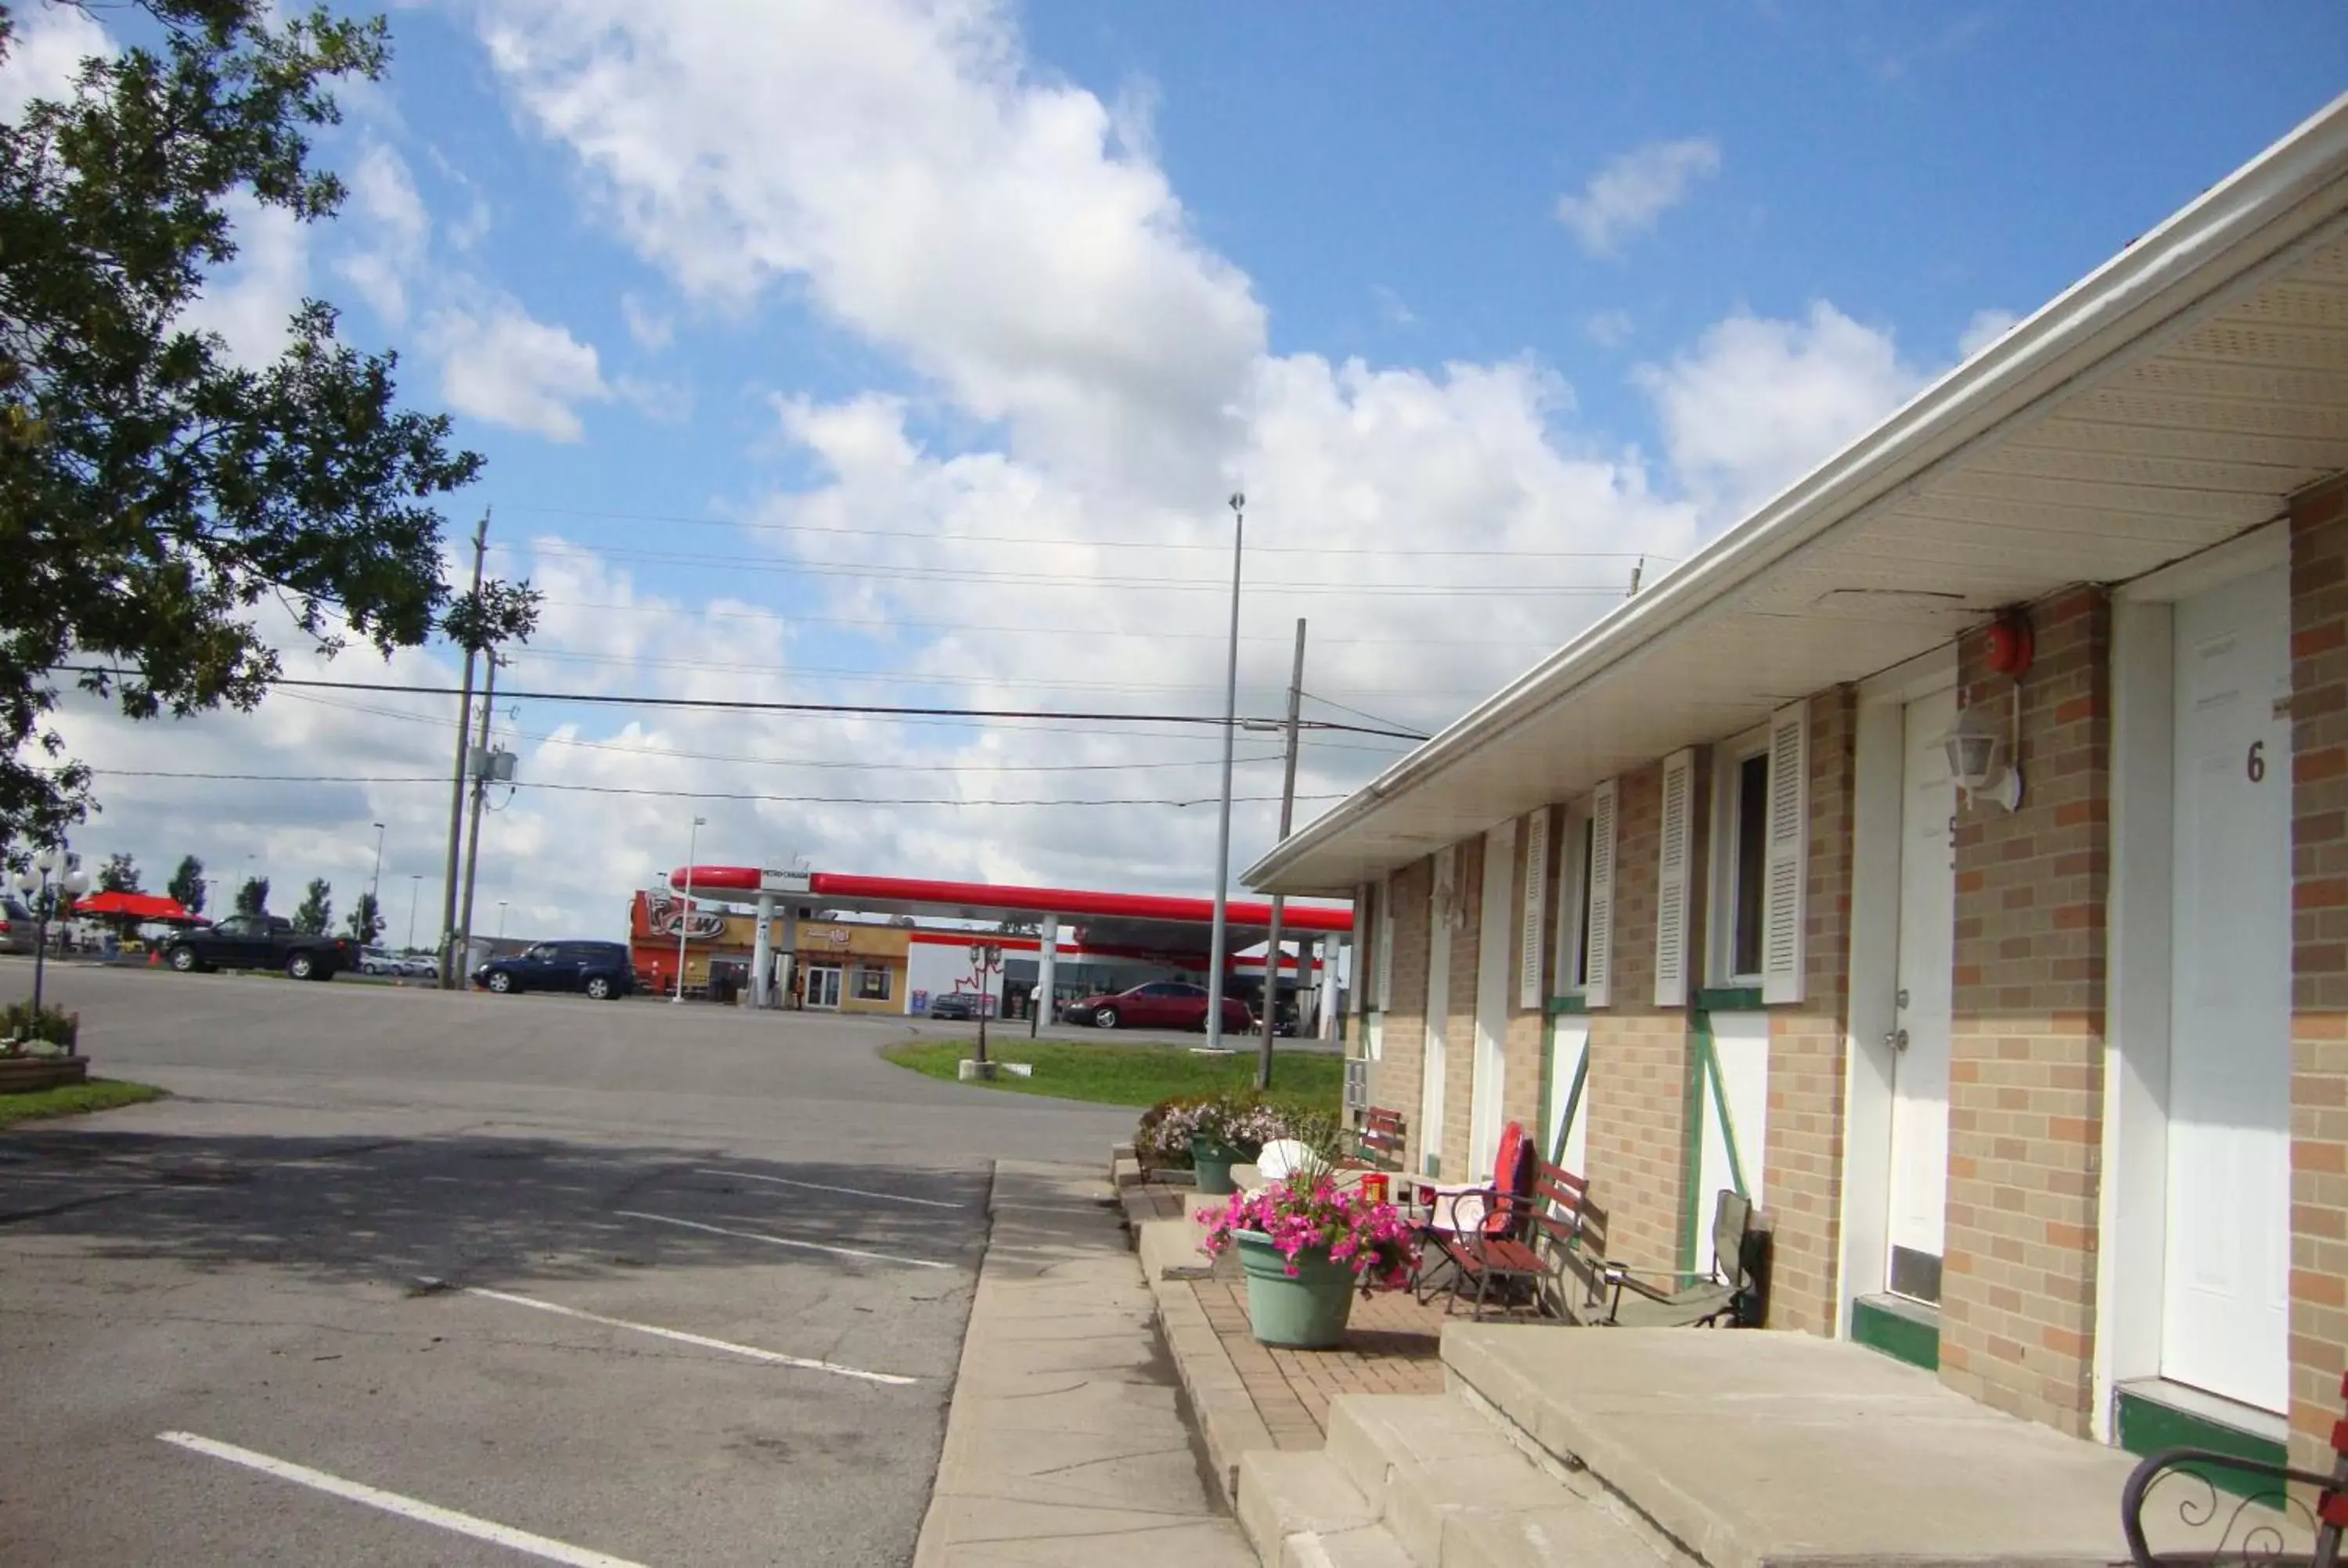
(1480, 1235)
(1731, 1292)
(1382, 1141)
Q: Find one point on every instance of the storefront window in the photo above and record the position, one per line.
(871, 984)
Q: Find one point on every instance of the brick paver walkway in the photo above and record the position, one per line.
(1392, 1346)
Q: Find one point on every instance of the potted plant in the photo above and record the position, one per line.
(1229, 1130)
(1306, 1246)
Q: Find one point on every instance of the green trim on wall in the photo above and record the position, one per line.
(1903, 1332)
(1548, 1052)
(1727, 1127)
(1692, 1136)
(1572, 1110)
(1729, 998)
(1568, 1004)
(2147, 1423)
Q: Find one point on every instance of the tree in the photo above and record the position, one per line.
(317, 908)
(366, 921)
(119, 875)
(252, 898)
(152, 490)
(188, 885)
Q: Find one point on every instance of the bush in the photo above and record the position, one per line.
(1245, 1120)
(21, 1026)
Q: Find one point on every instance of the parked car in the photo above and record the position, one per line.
(417, 966)
(258, 942)
(598, 969)
(17, 930)
(377, 961)
(1160, 1004)
(956, 1004)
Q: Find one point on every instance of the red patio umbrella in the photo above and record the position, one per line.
(136, 907)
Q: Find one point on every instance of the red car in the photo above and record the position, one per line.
(1160, 1004)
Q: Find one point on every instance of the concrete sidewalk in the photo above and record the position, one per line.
(1065, 1442)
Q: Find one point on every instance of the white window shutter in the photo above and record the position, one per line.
(1382, 987)
(1363, 953)
(1597, 991)
(1529, 935)
(1789, 818)
(1672, 880)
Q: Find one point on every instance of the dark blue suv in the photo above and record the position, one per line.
(598, 969)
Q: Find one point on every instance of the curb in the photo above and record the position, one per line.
(1226, 1415)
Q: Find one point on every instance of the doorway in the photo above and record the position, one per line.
(1922, 1006)
(823, 986)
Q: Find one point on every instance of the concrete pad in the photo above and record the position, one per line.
(1782, 1449)
(1578, 1536)
(1371, 1546)
(1169, 1250)
(1065, 1428)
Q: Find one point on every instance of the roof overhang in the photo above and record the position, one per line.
(2174, 397)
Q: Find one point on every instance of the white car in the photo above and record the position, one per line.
(376, 961)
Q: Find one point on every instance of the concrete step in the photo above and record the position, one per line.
(1371, 1546)
(1454, 1488)
(1286, 1496)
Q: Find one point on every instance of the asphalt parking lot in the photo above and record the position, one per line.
(405, 1278)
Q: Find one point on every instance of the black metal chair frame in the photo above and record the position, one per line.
(2259, 1541)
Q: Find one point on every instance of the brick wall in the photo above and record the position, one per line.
(1393, 1077)
(1802, 1163)
(2319, 1080)
(1638, 1055)
(2025, 1092)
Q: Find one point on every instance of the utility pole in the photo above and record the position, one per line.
(1279, 902)
(1218, 944)
(473, 842)
(450, 963)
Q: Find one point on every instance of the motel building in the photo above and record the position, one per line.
(835, 942)
(1953, 857)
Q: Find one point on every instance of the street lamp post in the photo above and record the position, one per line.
(501, 920)
(684, 915)
(51, 878)
(415, 887)
(375, 883)
(1223, 831)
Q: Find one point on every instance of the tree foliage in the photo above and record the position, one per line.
(187, 884)
(252, 898)
(119, 875)
(366, 922)
(316, 911)
(153, 491)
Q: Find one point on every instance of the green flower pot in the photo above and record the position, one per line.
(1213, 1163)
(1306, 1313)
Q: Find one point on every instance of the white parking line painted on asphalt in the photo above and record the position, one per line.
(781, 1240)
(406, 1507)
(752, 1351)
(819, 1187)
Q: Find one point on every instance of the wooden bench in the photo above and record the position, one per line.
(1515, 1258)
(1381, 1146)
(2226, 1514)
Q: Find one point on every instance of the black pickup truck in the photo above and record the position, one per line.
(260, 942)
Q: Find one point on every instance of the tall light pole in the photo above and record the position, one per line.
(684, 915)
(1278, 902)
(1223, 831)
(375, 883)
(501, 920)
(415, 891)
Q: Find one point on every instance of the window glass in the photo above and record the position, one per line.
(1582, 958)
(1752, 855)
(543, 953)
(872, 985)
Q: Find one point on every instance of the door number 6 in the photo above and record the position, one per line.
(2258, 763)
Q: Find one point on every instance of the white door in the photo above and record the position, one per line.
(1433, 1063)
(1494, 930)
(1569, 1095)
(823, 986)
(1920, 1069)
(2224, 1315)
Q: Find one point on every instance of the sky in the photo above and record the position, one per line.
(907, 352)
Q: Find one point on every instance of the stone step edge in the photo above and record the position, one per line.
(1615, 1499)
(1287, 1500)
(1221, 1409)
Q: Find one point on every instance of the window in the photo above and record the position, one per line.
(1760, 808)
(872, 984)
(1580, 906)
(1751, 831)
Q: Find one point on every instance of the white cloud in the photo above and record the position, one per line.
(385, 206)
(1759, 402)
(1632, 193)
(650, 329)
(45, 55)
(1985, 328)
(662, 401)
(1609, 328)
(506, 367)
(251, 301)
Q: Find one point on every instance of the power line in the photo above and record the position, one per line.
(1373, 718)
(893, 623)
(743, 705)
(687, 794)
(1065, 579)
(927, 536)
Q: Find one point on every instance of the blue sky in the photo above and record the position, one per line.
(995, 305)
